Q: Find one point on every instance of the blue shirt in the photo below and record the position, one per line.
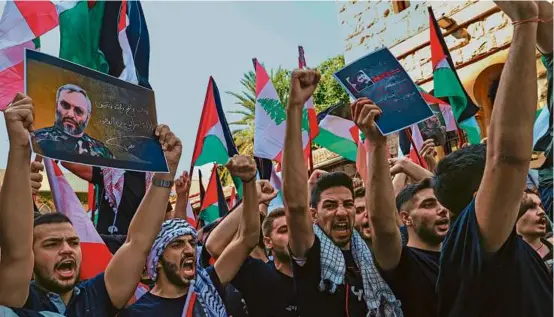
(90, 299)
(152, 305)
(22, 312)
(266, 291)
(512, 281)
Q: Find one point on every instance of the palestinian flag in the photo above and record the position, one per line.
(271, 120)
(80, 29)
(21, 25)
(125, 41)
(337, 131)
(214, 205)
(214, 141)
(447, 83)
(96, 254)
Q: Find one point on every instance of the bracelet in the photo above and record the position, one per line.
(248, 181)
(538, 20)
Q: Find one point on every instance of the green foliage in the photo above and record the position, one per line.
(328, 93)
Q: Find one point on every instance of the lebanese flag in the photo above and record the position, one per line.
(96, 254)
(271, 120)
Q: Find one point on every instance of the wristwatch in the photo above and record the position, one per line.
(162, 183)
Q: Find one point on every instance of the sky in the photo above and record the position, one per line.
(189, 41)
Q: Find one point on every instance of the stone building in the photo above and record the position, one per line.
(477, 33)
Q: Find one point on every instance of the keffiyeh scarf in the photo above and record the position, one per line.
(378, 296)
(211, 304)
(113, 185)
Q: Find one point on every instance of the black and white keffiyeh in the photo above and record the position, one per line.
(206, 293)
(378, 296)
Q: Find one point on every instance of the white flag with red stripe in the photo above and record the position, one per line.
(96, 254)
(191, 217)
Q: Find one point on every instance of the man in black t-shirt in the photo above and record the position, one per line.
(410, 270)
(267, 288)
(174, 258)
(332, 265)
(486, 269)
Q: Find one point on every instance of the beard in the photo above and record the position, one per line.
(429, 236)
(171, 272)
(53, 285)
(282, 255)
(79, 129)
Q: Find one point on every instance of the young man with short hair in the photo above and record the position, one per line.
(333, 269)
(55, 247)
(410, 270)
(361, 222)
(486, 269)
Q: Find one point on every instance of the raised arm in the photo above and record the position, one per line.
(16, 207)
(247, 237)
(125, 269)
(510, 136)
(411, 169)
(82, 171)
(182, 187)
(398, 183)
(223, 233)
(295, 174)
(386, 243)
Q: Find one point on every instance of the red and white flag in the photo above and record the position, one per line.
(96, 254)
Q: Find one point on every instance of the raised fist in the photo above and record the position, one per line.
(19, 120)
(364, 113)
(182, 184)
(171, 146)
(242, 166)
(303, 83)
(36, 176)
(316, 175)
(266, 192)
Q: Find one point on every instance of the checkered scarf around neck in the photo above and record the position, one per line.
(206, 293)
(113, 186)
(378, 296)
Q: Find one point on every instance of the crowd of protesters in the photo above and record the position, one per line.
(463, 237)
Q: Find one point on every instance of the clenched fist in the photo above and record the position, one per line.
(303, 83)
(19, 121)
(242, 166)
(171, 146)
(364, 114)
(266, 192)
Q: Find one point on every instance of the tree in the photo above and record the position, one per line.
(329, 92)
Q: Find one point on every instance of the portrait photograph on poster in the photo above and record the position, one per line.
(87, 117)
(379, 77)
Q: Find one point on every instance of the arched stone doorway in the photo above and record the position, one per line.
(484, 90)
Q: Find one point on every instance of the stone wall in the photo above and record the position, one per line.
(369, 25)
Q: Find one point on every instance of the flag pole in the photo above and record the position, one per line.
(409, 134)
(302, 64)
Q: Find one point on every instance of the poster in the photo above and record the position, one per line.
(380, 77)
(434, 127)
(84, 116)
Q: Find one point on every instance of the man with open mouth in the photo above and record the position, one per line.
(532, 225)
(333, 270)
(173, 262)
(50, 250)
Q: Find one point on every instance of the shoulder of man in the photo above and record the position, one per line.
(44, 133)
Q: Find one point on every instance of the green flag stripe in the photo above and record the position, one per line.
(213, 150)
(343, 147)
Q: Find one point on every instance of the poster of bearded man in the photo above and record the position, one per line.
(87, 117)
